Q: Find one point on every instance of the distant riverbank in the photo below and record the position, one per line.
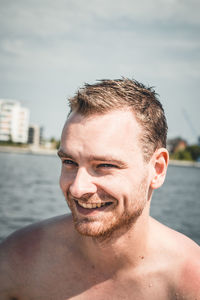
(184, 163)
(28, 150)
(44, 151)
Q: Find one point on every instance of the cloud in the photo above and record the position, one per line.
(46, 44)
(47, 18)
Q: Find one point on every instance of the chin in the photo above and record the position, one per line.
(106, 229)
(94, 226)
(88, 228)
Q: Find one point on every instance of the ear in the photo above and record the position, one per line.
(160, 161)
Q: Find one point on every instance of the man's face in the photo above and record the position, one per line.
(104, 177)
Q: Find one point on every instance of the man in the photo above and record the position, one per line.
(113, 156)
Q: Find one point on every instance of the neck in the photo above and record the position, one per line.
(120, 251)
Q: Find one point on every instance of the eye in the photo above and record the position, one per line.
(107, 166)
(69, 162)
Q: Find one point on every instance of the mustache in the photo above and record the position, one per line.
(94, 198)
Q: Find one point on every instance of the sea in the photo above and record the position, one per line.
(30, 192)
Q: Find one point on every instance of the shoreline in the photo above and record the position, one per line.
(184, 163)
(53, 152)
(27, 150)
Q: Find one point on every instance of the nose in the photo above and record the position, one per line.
(82, 184)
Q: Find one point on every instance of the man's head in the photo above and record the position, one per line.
(109, 95)
(105, 179)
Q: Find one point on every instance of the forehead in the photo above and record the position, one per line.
(114, 132)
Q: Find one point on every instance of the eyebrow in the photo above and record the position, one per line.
(108, 158)
(102, 158)
(61, 153)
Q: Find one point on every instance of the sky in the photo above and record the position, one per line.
(49, 49)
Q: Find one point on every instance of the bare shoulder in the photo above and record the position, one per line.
(30, 247)
(29, 238)
(183, 256)
(189, 275)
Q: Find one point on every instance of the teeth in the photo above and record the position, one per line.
(90, 205)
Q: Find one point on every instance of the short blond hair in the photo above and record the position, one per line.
(107, 95)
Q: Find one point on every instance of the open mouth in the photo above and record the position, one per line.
(93, 205)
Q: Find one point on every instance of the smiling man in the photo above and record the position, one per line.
(113, 156)
(106, 188)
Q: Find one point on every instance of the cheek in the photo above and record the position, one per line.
(117, 186)
(128, 190)
(64, 181)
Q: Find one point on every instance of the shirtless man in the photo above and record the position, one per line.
(113, 156)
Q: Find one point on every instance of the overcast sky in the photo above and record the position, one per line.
(50, 48)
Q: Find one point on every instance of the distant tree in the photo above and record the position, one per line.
(57, 144)
(194, 150)
(190, 153)
(52, 140)
(182, 155)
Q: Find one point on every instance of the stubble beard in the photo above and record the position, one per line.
(110, 224)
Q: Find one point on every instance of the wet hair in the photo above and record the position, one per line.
(108, 95)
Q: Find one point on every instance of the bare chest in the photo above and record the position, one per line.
(83, 286)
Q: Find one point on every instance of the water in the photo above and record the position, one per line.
(29, 192)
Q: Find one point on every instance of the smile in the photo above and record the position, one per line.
(93, 205)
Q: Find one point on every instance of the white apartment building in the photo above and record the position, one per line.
(14, 121)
